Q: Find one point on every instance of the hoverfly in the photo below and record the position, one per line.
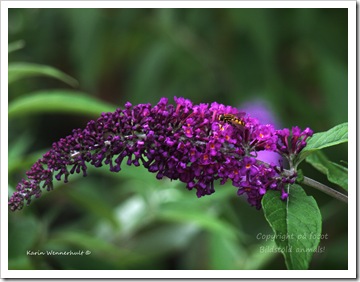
(232, 119)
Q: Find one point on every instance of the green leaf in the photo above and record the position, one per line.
(94, 204)
(64, 101)
(198, 216)
(296, 223)
(25, 229)
(14, 46)
(98, 247)
(335, 173)
(164, 240)
(224, 253)
(17, 71)
(83, 240)
(258, 256)
(332, 137)
(20, 263)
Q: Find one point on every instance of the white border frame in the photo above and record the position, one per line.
(350, 273)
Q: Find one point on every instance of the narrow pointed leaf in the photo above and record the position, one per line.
(17, 71)
(58, 101)
(335, 173)
(197, 216)
(334, 136)
(16, 45)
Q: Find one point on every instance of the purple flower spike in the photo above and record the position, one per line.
(196, 144)
(291, 144)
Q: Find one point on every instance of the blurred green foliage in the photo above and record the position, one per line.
(295, 59)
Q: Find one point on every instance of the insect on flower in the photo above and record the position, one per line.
(232, 119)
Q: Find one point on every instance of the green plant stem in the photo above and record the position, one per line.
(326, 189)
(321, 187)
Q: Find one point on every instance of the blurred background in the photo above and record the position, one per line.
(291, 61)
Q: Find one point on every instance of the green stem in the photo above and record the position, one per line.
(317, 185)
(326, 189)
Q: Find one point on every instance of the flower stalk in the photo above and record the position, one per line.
(326, 189)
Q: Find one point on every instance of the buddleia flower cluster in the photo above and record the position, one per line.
(195, 144)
